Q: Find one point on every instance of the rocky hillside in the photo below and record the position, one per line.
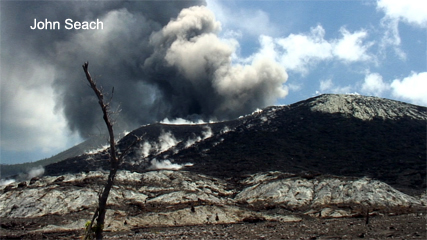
(178, 198)
(332, 156)
(343, 135)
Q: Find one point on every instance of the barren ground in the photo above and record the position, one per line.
(406, 226)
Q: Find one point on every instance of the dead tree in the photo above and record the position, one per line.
(115, 160)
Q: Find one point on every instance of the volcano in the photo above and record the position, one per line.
(340, 135)
(334, 157)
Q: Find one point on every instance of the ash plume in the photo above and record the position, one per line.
(192, 68)
(164, 60)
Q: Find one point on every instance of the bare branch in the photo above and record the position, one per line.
(105, 112)
(112, 94)
(101, 210)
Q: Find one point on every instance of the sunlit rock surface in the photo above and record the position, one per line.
(365, 107)
(297, 193)
(176, 198)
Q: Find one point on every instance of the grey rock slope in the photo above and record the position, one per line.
(367, 108)
(177, 198)
(343, 135)
(325, 157)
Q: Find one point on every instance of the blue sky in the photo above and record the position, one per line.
(368, 47)
(373, 47)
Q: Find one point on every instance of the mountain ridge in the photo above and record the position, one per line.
(380, 107)
(385, 140)
(280, 165)
(318, 103)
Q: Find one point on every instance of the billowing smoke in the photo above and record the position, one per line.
(192, 68)
(164, 60)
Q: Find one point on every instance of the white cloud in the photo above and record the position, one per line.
(412, 88)
(325, 85)
(294, 87)
(251, 21)
(268, 47)
(374, 84)
(254, 22)
(300, 52)
(391, 37)
(328, 86)
(350, 47)
(413, 12)
(410, 11)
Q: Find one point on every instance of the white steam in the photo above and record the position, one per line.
(165, 142)
(33, 172)
(124, 133)
(190, 142)
(181, 121)
(36, 172)
(206, 133)
(226, 129)
(5, 182)
(166, 164)
(257, 111)
(145, 149)
(97, 150)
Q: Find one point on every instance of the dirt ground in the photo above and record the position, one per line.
(406, 226)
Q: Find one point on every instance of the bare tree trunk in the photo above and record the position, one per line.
(114, 161)
(103, 204)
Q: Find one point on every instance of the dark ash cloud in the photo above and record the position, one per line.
(164, 60)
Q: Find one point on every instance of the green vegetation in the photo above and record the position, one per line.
(90, 231)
